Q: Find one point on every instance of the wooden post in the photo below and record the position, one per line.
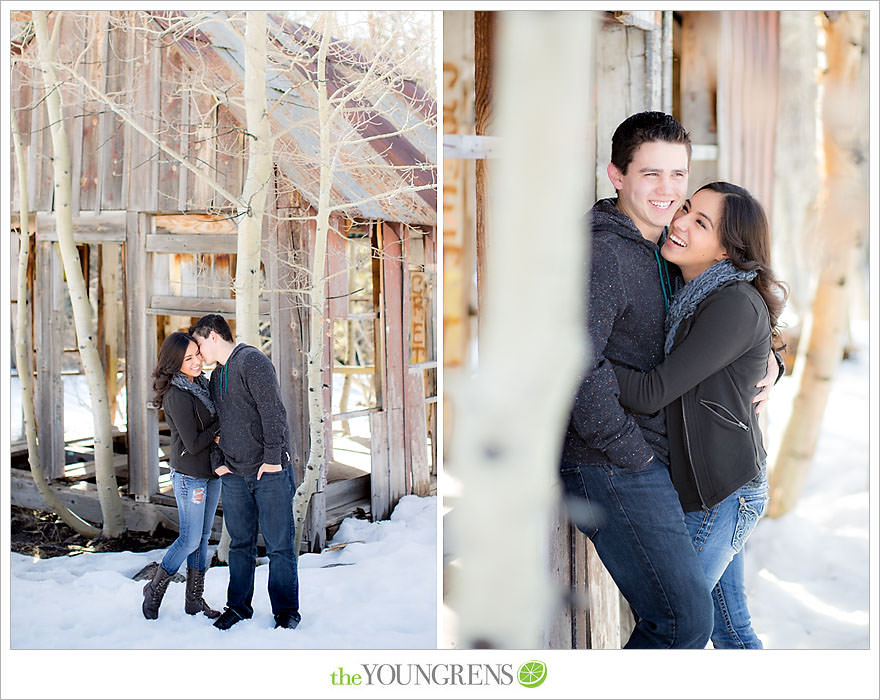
(140, 358)
(380, 477)
(484, 50)
(458, 223)
(392, 322)
(108, 318)
(50, 346)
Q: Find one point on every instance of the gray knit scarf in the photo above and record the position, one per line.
(198, 387)
(686, 300)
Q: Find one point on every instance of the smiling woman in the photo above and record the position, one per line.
(718, 336)
(694, 241)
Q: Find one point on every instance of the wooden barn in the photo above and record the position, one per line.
(157, 242)
(719, 74)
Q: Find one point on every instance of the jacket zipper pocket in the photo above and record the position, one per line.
(687, 444)
(724, 414)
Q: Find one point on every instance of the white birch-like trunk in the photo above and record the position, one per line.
(24, 360)
(842, 223)
(105, 475)
(256, 184)
(253, 200)
(317, 448)
(509, 416)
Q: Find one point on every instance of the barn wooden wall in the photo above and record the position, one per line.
(148, 213)
(116, 167)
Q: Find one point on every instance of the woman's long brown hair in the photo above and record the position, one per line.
(171, 356)
(745, 236)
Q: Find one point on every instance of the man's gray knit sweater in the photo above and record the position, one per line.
(625, 327)
(253, 421)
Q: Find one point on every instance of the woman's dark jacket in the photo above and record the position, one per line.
(192, 433)
(707, 384)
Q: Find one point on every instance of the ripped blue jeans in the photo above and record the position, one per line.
(196, 505)
(719, 534)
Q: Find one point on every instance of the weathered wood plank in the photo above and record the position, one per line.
(143, 432)
(194, 223)
(337, 272)
(356, 488)
(230, 155)
(196, 306)
(417, 432)
(392, 318)
(380, 492)
(191, 243)
(105, 227)
(169, 122)
(558, 633)
(83, 500)
(49, 394)
(84, 470)
(604, 601)
(578, 584)
(109, 317)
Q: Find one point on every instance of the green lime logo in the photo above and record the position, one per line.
(532, 673)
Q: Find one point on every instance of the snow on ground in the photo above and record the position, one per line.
(807, 573)
(377, 592)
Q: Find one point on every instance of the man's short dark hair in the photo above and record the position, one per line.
(211, 322)
(645, 127)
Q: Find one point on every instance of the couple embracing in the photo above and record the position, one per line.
(663, 460)
(228, 434)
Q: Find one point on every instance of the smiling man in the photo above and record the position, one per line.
(614, 463)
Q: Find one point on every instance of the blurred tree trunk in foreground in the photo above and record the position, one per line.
(843, 222)
(510, 414)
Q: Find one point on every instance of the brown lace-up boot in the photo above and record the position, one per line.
(154, 591)
(195, 588)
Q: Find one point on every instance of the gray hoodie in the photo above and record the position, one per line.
(627, 308)
(253, 421)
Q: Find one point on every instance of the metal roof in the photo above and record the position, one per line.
(391, 119)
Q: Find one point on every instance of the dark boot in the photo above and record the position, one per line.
(154, 591)
(195, 588)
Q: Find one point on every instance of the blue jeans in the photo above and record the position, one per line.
(267, 503)
(719, 534)
(636, 523)
(196, 505)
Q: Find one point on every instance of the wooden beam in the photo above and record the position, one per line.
(82, 499)
(191, 243)
(470, 146)
(84, 470)
(106, 227)
(196, 306)
(195, 223)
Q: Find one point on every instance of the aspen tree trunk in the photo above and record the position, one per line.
(842, 223)
(317, 448)
(510, 415)
(253, 200)
(256, 185)
(105, 475)
(24, 360)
